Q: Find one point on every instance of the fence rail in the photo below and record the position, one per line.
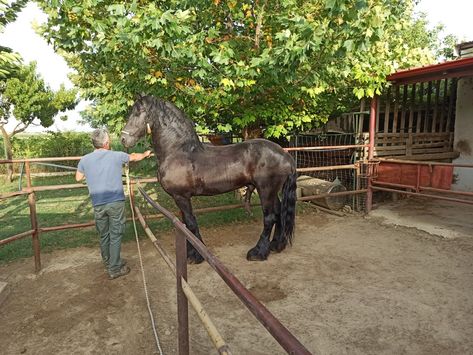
(417, 188)
(288, 341)
(30, 191)
(277, 330)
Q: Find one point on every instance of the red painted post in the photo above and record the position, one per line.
(418, 178)
(182, 305)
(369, 193)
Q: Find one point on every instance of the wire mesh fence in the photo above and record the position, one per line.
(333, 169)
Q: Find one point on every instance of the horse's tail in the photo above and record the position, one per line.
(288, 208)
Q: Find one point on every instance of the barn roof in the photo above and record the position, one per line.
(451, 69)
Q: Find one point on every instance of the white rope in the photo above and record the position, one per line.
(127, 170)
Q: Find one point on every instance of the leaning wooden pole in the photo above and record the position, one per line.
(214, 335)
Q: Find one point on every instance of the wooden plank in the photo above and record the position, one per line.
(390, 147)
(386, 111)
(427, 145)
(396, 109)
(435, 156)
(432, 136)
(427, 117)
(411, 119)
(430, 156)
(383, 153)
(391, 142)
(436, 105)
(404, 108)
(419, 108)
(444, 105)
(378, 105)
(391, 135)
(428, 135)
(438, 145)
(430, 150)
(451, 102)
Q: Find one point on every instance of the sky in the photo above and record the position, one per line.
(455, 15)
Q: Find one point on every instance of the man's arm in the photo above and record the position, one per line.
(139, 156)
(79, 176)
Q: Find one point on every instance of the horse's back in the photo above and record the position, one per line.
(254, 148)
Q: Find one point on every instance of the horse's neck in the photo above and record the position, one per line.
(173, 136)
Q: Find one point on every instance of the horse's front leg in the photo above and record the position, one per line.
(184, 204)
(261, 251)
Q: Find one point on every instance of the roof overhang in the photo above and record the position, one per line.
(452, 69)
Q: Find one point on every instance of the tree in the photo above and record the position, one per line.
(9, 60)
(231, 65)
(27, 98)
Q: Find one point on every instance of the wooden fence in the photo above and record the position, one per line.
(413, 121)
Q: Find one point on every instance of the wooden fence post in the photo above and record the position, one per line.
(34, 220)
(182, 305)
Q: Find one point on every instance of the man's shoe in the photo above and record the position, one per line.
(124, 270)
(123, 264)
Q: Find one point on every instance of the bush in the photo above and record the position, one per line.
(65, 144)
(51, 144)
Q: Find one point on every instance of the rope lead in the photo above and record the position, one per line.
(158, 345)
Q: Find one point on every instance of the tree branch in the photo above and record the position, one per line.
(17, 130)
(259, 24)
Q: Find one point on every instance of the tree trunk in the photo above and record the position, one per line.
(8, 153)
(249, 132)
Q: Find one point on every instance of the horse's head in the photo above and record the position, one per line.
(137, 123)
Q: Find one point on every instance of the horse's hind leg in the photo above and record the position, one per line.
(278, 243)
(184, 204)
(261, 250)
(249, 190)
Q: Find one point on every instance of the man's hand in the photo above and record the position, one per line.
(79, 176)
(140, 156)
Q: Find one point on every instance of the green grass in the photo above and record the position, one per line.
(73, 206)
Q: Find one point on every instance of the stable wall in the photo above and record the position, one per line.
(463, 137)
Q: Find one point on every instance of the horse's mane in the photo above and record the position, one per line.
(175, 125)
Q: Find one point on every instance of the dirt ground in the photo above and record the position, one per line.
(349, 285)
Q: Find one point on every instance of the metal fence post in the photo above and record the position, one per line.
(182, 305)
(34, 221)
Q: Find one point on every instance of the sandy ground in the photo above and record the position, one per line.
(349, 285)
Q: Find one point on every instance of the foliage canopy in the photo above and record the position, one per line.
(27, 98)
(9, 60)
(284, 64)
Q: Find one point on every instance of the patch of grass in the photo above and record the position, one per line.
(73, 206)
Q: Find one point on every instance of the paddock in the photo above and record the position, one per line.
(348, 285)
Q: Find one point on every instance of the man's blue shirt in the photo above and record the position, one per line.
(103, 171)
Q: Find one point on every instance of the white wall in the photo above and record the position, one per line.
(463, 141)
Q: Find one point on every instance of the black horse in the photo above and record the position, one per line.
(189, 168)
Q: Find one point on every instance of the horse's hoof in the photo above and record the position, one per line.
(255, 255)
(276, 247)
(194, 258)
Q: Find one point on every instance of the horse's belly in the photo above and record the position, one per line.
(211, 181)
(218, 183)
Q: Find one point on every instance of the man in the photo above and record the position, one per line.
(103, 170)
